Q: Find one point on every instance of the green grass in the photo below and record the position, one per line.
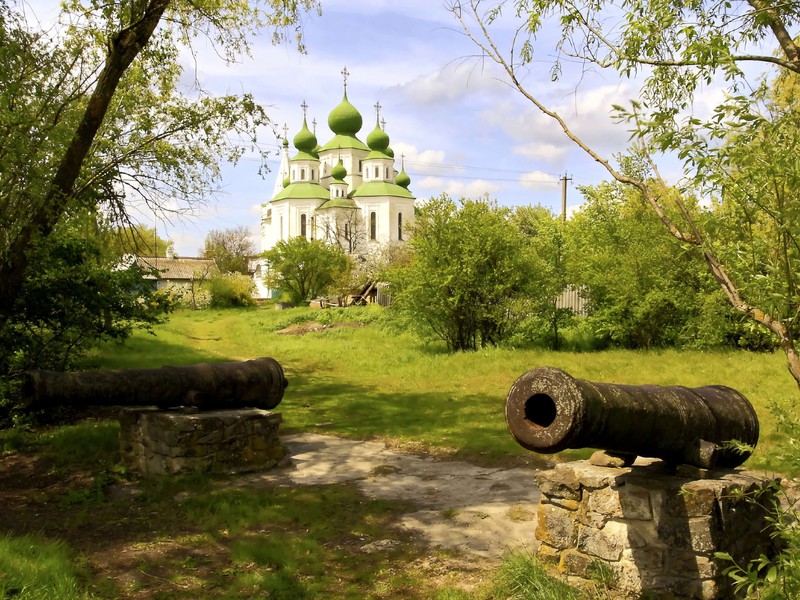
(380, 381)
(522, 577)
(35, 569)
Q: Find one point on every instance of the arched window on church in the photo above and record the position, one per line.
(312, 174)
(313, 227)
(386, 170)
(373, 225)
(400, 226)
(303, 228)
(377, 170)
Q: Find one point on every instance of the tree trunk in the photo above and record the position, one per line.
(123, 48)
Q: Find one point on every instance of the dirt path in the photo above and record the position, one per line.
(485, 511)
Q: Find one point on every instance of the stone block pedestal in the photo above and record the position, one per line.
(169, 442)
(658, 531)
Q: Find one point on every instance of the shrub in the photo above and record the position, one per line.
(231, 289)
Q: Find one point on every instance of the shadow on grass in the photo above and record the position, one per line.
(191, 539)
(146, 352)
(473, 425)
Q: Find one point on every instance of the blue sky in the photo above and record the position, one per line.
(461, 129)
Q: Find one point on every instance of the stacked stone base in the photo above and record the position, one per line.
(170, 442)
(657, 531)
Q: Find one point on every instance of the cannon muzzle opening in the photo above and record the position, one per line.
(547, 411)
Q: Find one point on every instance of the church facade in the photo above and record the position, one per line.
(345, 192)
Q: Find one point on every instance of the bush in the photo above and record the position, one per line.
(198, 298)
(231, 289)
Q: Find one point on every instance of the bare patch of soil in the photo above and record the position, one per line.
(314, 327)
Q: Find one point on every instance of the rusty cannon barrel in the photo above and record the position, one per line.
(547, 411)
(257, 383)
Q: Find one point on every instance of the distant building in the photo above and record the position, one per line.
(174, 272)
(345, 192)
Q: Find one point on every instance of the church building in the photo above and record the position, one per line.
(344, 192)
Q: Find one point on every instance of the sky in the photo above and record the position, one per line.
(460, 128)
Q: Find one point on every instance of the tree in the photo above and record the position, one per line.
(546, 239)
(644, 288)
(231, 249)
(345, 228)
(133, 239)
(467, 273)
(72, 299)
(677, 48)
(304, 269)
(96, 116)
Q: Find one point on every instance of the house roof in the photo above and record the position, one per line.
(179, 268)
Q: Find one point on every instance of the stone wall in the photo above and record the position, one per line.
(168, 442)
(655, 529)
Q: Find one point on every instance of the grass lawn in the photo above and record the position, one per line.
(77, 526)
(380, 381)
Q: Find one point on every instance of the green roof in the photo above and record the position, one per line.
(381, 188)
(345, 119)
(377, 154)
(303, 156)
(345, 142)
(339, 172)
(302, 190)
(339, 203)
(305, 140)
(378, 139)
(402, 179)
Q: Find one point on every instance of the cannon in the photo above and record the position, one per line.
(547, 411)
(257, 383)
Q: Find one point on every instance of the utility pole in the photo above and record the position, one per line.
(564, 181)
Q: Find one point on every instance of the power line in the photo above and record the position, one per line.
(515, 179)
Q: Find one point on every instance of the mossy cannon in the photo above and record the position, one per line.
(257, 383)
(547, 411)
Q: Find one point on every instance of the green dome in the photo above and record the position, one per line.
(389, 152)
(345, 119)
(285, 143)
(305, 140)
(402, 179)
(286, 181)
(339, 172)
(377, 140)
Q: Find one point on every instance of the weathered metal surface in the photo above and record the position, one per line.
(547, 411)
(257, 383)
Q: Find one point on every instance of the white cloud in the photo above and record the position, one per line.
(475, 188)
(418, 160)
(541, 151)
(586, 111)
(449, 84)
(538, 180)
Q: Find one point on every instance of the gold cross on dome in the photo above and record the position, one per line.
(304, 106)
(345, 75)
